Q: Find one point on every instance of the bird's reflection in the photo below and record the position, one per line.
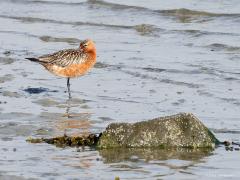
(73, 124)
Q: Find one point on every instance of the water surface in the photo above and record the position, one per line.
(155, 58)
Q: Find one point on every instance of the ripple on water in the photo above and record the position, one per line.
(223, 47)
(146, 29)
(101, 65)
(205, 93)
(151, 69)
(231, 100)
(3, 176)
(14, 115)
(6, 78)
(179, 102)
(46, 102)
(106, 119)
(13, 129)
(230, 131)
(54, 39)
(6, 60)
(167, 81)
(188, 13)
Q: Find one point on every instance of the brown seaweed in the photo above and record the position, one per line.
(72, 141)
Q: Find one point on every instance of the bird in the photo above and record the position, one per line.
(69, 63)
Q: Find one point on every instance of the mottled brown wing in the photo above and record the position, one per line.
(64, 58)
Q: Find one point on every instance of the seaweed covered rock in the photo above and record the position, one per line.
(180, 130)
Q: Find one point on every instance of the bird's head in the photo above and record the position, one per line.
(87, 45)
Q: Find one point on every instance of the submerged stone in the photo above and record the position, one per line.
(180, 130)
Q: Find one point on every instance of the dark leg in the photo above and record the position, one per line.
(68, 86)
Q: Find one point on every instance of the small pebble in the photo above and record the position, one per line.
(14, 149)
(226, 143)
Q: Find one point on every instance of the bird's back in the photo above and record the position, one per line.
(65, 57)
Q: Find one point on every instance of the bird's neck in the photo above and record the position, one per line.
(92, 53)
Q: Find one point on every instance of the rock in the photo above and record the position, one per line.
(180, 130)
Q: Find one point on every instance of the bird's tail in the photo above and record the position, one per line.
(33, 59)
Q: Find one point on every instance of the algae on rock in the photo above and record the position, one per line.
(181, 130)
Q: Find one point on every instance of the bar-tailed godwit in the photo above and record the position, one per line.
(70, 63)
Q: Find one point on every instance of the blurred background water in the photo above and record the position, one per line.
(155, 58)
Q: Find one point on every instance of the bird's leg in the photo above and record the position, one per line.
(68, 86)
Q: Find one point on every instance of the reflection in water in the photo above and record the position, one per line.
(155, 156)
(73, 124)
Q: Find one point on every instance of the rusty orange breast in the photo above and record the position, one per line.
(73, 70)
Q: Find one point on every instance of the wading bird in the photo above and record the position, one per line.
(70, 63)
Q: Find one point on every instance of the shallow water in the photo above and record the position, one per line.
(155, 58)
